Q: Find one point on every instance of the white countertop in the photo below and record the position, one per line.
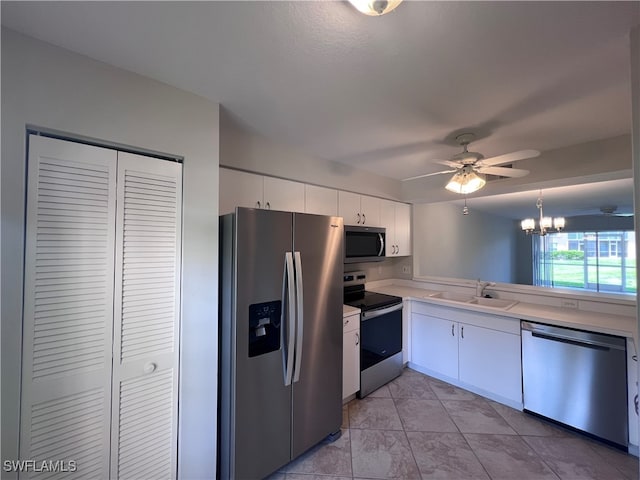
(620, 325)
(349, 310)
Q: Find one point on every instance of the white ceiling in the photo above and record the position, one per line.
(385, 94)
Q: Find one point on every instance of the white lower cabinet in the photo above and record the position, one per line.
(351, 355)
(477, 351)
(434, 344)
(490, 360)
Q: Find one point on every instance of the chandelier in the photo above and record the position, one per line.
(375, 7)
(545, 224)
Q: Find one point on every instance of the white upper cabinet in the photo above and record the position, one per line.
(284, 195)
(396, 218)
(239, 189)
(320, 200)
(242, 189)
(359, 209)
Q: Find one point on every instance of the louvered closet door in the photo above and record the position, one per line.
(145, 364)
(68, 305)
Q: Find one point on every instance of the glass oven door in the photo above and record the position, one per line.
(380, 335)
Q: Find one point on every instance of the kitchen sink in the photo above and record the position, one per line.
(493, 302)
(482, 301)
(453, 296)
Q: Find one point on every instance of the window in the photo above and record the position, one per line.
(597, 261)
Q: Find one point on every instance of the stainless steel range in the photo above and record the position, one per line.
(380, 333)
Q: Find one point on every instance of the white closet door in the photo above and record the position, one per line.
(68, 305)
(146, 314)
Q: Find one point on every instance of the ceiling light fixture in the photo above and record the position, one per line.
(375, 7)
(466, 180)
(545, 224)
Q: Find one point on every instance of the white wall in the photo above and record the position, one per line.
(49, 87)
(247, 151)
(447, 243)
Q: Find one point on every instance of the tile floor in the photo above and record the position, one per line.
(417, 427)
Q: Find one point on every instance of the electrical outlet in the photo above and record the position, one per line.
(406, 269)
(566, 303)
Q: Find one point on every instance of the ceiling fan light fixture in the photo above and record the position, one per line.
(465, 181)
(375, 8)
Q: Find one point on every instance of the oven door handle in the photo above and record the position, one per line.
(383, 311)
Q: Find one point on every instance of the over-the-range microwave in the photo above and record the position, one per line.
(363, 244)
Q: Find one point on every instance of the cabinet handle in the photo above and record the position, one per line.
(397, 249)
(358, 218)
(258, 204)
(452, 333)
(357, 338)
(345, 322)
(268, 206)
(462, 332)
(364, 219)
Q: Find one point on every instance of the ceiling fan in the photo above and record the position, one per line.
(469, 167)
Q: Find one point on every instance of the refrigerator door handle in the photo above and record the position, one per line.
(300, 316)
(288, 290)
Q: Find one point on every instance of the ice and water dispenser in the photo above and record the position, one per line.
(264, 327)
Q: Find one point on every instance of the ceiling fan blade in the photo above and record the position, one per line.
(429, 175)
(448, 163)
(508, 158)
(504, 172)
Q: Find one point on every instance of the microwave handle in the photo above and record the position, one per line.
(381, 252)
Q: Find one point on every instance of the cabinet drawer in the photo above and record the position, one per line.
(350, 323)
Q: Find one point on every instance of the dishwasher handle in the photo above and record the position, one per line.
(574, 337)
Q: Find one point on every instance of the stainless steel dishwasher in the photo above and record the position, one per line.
(577, 378)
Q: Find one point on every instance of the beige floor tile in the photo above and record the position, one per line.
(507, 457)
(626, 463)
(382, 392)
(411, 385)
(327, 458)
(572, 457)
(445, 456)
(382, 454)
(445, 391)
(477, 416)
(376, 413)
(420, 415)
(525, 424)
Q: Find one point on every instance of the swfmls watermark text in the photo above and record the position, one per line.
(37, 466)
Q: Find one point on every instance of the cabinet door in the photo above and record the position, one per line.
(491, 360)
(146, 313)
(370, 210)
(351, 363)
(68, 304)
(239, 189)
(403, 229)
(434, 344)
(388, 221)
(349, 208)
(284, 195)
(320, 200)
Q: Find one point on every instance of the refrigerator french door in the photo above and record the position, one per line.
(280, 337)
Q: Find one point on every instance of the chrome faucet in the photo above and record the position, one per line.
(481, 286)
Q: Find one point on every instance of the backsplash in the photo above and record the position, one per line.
(389, 268)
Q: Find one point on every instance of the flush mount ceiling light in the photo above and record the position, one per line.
(545, 224)
(375, 7)
(466, 180)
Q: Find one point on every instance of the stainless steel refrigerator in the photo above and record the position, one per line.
(280, 338)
